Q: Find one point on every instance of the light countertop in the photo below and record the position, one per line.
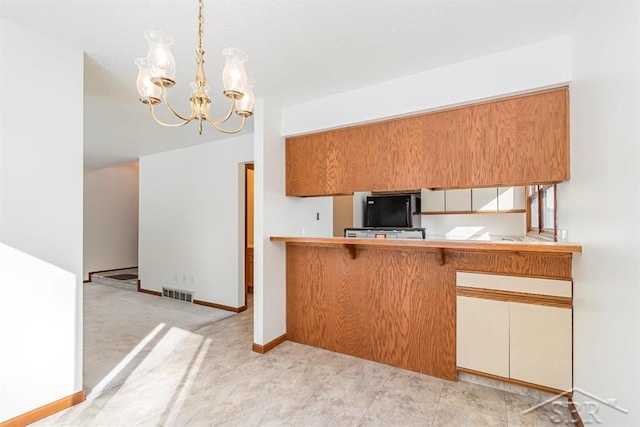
(434, 242)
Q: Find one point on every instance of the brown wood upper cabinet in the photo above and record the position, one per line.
(513, 141)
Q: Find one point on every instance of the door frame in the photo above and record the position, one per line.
(247, 166)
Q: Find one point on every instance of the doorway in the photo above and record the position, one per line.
(248, 232)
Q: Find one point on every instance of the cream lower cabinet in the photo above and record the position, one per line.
(540, 345)
(527, 342)
(483, 335)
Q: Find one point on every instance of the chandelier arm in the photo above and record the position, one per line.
(214, 125)
(218, 122)
(175, 113)
(171, 125)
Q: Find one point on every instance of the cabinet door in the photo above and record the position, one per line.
(511, 198)
(540, 350)
(484, 199)
(432, 200)
(458, 200)
(493, 143)
(306, 173)
(483, 335)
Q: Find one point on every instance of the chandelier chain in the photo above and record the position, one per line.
(200, 26)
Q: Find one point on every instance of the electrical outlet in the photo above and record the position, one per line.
(317, 216)
(184, 278)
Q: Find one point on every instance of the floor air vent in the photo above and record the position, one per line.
(179, 294)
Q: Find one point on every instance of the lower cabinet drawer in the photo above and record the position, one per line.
(483, 335)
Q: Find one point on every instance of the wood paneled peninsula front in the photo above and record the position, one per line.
(394, 301)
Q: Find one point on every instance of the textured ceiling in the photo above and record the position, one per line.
(298, 50)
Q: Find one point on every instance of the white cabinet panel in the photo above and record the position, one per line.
(432, 200)
(458, 200)
(540, 347)
(484, 199)
(483, 335)
(503, 199)
(510, 198)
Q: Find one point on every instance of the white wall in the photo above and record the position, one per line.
(40, 221)
(110, 218)
(192, 220)
(600, 205)
(537, 65)
(277, 215)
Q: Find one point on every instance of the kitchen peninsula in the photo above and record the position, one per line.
(394, 301)
(501, 309)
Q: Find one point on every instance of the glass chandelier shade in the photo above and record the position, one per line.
(234, 77)
(145, 86)
(159, 57)
(246, 103)
(157, 72)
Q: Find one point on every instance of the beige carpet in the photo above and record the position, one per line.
(126, 333)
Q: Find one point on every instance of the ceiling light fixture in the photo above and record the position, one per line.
(157, 71)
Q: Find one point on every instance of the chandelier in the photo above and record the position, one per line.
(156, 73)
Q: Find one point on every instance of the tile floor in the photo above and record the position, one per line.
(213, 378)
